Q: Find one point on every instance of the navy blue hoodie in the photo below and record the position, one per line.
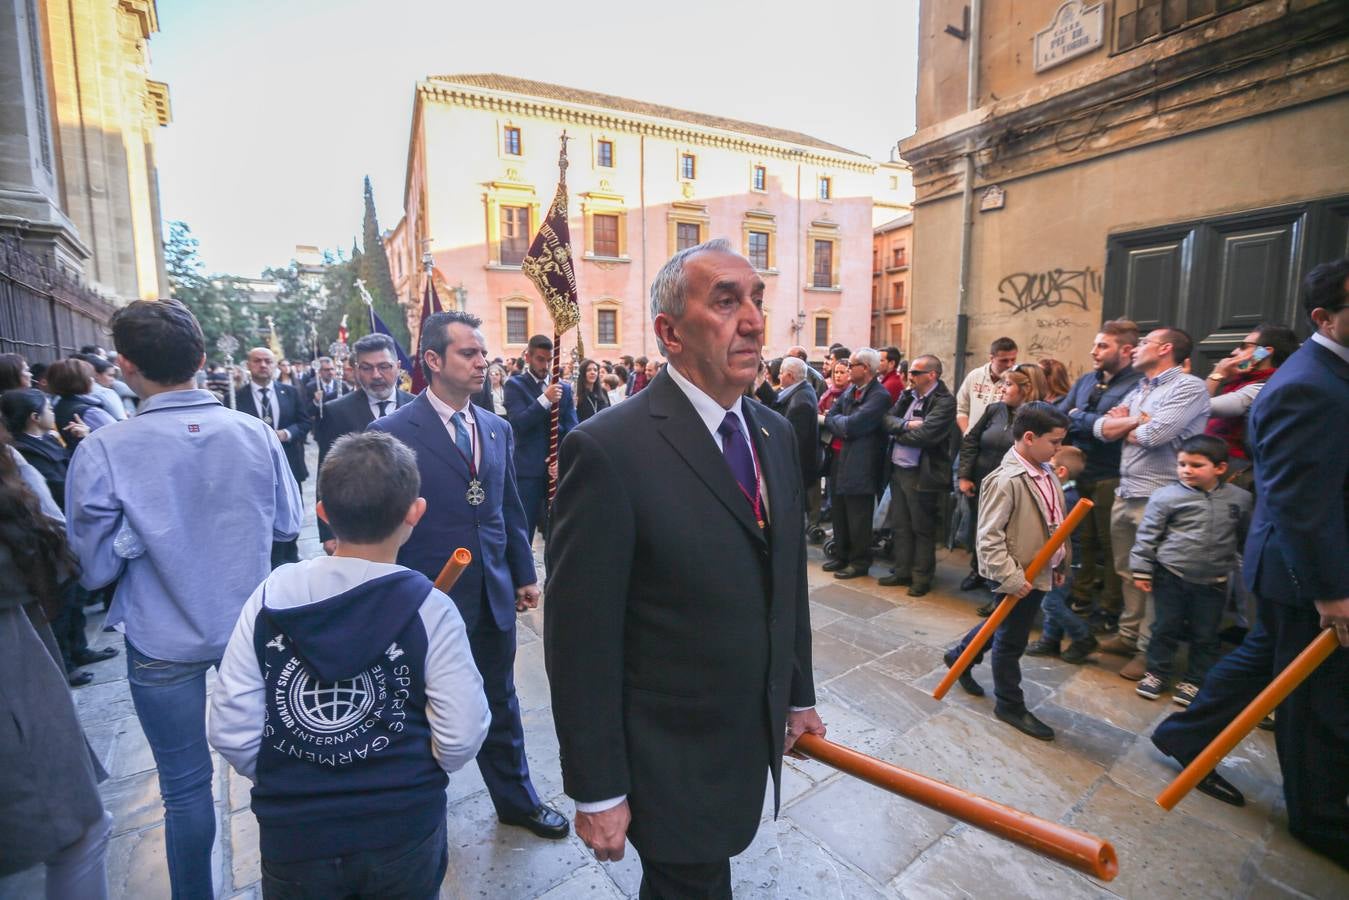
(346, 762)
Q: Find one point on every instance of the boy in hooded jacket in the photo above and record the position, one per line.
(348, 691)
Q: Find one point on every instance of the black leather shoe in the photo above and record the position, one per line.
(1027, 724)
(893, 580)
(986, 610)
(919, 590)
(544, 821)
(79, 679)
(972, 581)
(966, 680)
(834, 565)
(1043, 647)
(89, 657)
(1219, 788)
(850, 572)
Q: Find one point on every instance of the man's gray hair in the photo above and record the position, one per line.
(867, 357)
(794, 366)
(669, 287)
(933, 363)
(324, 359)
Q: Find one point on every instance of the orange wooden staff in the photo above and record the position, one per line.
(454, 567)
(1004, 609)
(1284, 684)
(1071, 847)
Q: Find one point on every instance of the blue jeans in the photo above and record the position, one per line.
(1059, 617)
(1185, 611)
(402, 872)
(170, 700)
(1009, 642)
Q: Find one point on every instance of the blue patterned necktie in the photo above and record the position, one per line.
(266, 412)
(738, 456)
(461, 438)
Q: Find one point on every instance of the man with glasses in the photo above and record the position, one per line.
(856, 478)
(377, 374)
(1164, 408)
(920, 426)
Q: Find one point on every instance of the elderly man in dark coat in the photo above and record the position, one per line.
(856, 480)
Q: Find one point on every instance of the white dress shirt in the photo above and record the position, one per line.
(284, 433)
(390, 404)
(445, 411)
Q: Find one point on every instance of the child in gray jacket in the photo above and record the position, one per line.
(1185, 550)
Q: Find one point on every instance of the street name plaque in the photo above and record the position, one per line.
(1074, 30)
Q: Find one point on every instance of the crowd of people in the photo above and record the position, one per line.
(349, 685)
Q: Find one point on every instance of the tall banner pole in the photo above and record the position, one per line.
(549, 265)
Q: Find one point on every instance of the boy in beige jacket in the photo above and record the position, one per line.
(1020, 505)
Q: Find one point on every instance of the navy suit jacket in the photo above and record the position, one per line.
(1297, 551)
(493, 532)
(861, 462)
(350, 413)
(531, 422)
(291, 413)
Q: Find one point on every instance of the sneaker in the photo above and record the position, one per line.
(1151, 687)
(1078, 651)
(1184, 693)
(1043, 647)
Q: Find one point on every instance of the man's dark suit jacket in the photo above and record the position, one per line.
(861, 462)
(936, 437)
(349, 414)
(493, 532)
(799, 409)
(532, 423)
(1297, 551)
(289, 412)
(677, 633)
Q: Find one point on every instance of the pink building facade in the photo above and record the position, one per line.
(643, 181)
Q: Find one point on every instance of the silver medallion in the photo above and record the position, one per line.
(476, 495)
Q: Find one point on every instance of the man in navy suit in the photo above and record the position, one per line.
(377, 375)
(529, 403)
(280, 406)
(1297, 562)
(464, 454)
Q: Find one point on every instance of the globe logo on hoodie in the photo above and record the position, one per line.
(331, 707)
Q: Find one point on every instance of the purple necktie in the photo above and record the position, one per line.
(738, 457)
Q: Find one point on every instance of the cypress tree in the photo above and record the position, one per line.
(373, 265)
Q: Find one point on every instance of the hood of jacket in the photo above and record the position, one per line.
(342, 635)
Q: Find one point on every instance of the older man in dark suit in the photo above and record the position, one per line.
(677, 632)
(1297, 562)
(464, 455)
(858, 466)
(281, 407)
(377, 373)
(796, 402)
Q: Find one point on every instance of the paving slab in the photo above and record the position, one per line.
(870, 635)
(1289, 867)
(883, 698)
(136, 865)
(1083, 736)
(927, 623)
(909, 661)
(1102, 694)
(784, 862)
(851, 601)
(488, 859)
(246, 862)
(531, 681)
(134, 802)
(589, 884)
(832, 657)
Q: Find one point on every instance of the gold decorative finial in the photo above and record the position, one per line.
(562, 156)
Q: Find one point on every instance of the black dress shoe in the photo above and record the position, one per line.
(972, 581)
(919, 590)
(79, 679)
(966, 680)
(850, 572)
(544, 821)
(893, 580)
(834, 565)
(986, 610)
(1213, 784)
(89, 657)
(1027, 724)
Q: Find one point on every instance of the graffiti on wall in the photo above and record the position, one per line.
(1031, 291)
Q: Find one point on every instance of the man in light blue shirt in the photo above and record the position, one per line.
(182, 504)
(1166, 407)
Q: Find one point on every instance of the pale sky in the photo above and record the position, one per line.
(281, 107)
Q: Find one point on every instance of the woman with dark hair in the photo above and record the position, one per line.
(1057, 383)
(72, 382)
(987, 442)
(591, 397)
(14, 372)
(30, 420)
(1236, 380)
(52, 812)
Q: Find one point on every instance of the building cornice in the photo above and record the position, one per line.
(1246, 63)
(157, 98)
(145, 13)
(612, 120)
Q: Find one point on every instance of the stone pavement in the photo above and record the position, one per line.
(877, 657)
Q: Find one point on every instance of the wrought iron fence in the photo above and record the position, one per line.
(46, 313)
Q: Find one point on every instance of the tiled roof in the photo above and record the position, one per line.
(560, 94)
(900, 222)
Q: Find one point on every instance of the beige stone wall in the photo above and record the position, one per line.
(1061, 219)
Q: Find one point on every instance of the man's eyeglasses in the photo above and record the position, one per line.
(918, 372)
(382, 368)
